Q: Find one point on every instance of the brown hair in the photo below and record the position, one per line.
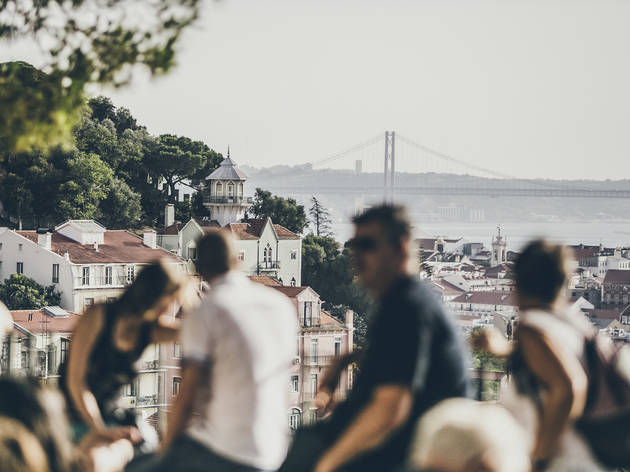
(541, 270)
(215, 253)
(154, 282)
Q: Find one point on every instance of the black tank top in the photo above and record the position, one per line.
(109, 369)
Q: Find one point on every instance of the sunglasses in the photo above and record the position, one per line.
(363, 244)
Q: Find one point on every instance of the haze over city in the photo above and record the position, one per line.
(498, 84)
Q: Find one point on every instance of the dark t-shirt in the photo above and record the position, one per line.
(411, 342)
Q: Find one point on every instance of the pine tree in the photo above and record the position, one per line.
(320, 218)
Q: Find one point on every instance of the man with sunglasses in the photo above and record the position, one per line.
(414, 357)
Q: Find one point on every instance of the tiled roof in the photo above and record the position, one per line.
(290, 292)
(265, 280)
(584, 252)
(603, 314)
(41, 322)
(326, 319)
(206, 223)
(496, 297)
(227, 170)
(172, 230)
(120, 246)
(252, 229)
(616, 276)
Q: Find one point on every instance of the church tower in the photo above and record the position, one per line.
(499, 249)
(224, 194)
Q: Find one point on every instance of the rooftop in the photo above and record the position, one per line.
(44, 320)
(615, 276)
(227, 171)
(253, 228)
(492, 297)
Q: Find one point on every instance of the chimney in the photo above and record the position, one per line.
(96, 247)
(44, 238)
(349, 319)
(169, 215)
(149, 238)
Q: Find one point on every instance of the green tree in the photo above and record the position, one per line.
(285, 212)
(121, 208)
(82, 42)
(19, 292)
(320, 218)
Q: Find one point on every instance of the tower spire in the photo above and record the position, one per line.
(228, 151)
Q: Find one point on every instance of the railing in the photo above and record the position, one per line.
(151, 365)
(113, 281)
(233, 199)
(147, 400)
(318, 360)
(275, 265)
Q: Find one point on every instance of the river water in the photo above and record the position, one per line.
(609, 233)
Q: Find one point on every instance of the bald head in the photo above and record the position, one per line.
(216, 254)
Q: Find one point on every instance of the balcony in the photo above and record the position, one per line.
(269, 266)
(233, 199)
(99, 282)
(150, 366)
(318, 360)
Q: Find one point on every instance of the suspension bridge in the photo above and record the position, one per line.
(433, 173)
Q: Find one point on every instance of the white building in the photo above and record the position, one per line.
(83, 260)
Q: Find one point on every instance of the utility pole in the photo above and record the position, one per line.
(389, 170)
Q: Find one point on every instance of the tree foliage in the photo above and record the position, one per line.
(282, 211)
(82, 42)
(19, 292)
(327, 268)
(320, 218)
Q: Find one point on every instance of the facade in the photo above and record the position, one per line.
(224, 195)
(484, 305)
(321, 339)
(86, 262)
(616, 289)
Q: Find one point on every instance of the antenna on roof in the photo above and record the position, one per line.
(228, 151)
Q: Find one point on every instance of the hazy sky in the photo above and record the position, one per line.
(528, 88)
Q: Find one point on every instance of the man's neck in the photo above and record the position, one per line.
(388, 280)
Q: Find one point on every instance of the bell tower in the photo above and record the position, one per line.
(224, 195)
(499, 249)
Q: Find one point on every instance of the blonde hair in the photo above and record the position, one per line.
(459, 433)
(20, 450)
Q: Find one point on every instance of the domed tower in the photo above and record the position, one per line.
(225, 193)
(499, 249)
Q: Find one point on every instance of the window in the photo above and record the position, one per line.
(241, 256)
(85, 278)
(186, 197)
(5, 357)
(219, 189)
(131, 274)
(268, 255)
(52, 358)
(240, 190)
(19, 267)
(293, 255)
(177, 350)
(111, 299)
(0, 246)
(55, 274)
(24, 360)
(177, 382)
(230, 189)
(109, 275)
(20, 245)
(295, 419)
(314, 350)
(313, 384)
(292, 281)
(130, 389)
(308, 314)
(295, 383)
(65, 344)
(88, 302)
(192, 253)
(337, 347)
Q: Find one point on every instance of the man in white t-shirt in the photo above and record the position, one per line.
(231, 412)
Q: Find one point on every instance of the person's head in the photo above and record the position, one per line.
(541, 274)
(155, 288)
(381, 246)
(460, 435)
(216, 254)
(41, 412)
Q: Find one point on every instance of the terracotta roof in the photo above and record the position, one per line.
(252, 229)
(42, 322)
(265, 280)
(616, 276)
(206, 223)
(172, 230)
(603, 314)
(495, 297)
(584, 252)
(120, 247)
(290, 292)
(326, 319)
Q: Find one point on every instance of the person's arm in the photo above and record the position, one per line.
(165, 330)
(84, 338)
(325, 398)
(492, 341)
(566, 384)
(387, 411)
(193, 375)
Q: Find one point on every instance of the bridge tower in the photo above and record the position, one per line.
(389, 171)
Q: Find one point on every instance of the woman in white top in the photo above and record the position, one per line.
(548, 386)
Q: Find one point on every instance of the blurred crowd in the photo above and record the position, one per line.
(563, 405)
